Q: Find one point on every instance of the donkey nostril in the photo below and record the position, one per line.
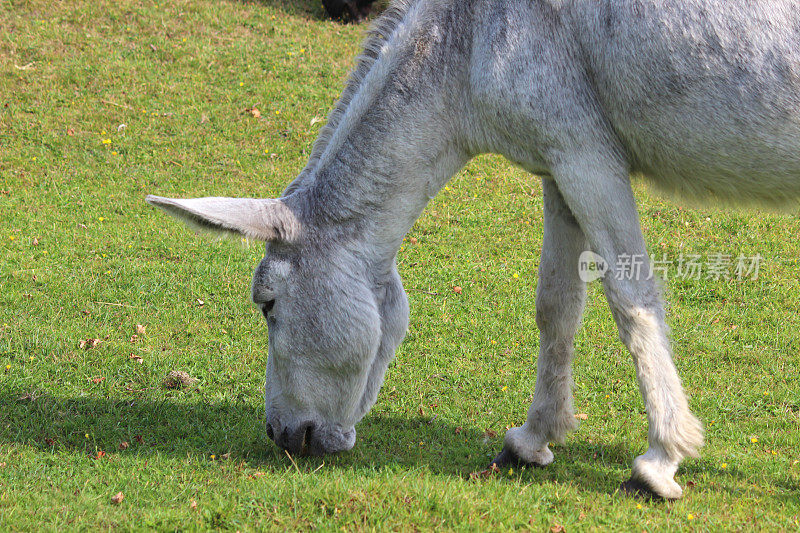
(307, 430)
(266, 307)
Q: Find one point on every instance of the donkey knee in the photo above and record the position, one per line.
(558, 313)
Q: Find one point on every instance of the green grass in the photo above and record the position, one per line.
(179, 76)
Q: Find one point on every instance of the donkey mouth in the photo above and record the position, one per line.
(311, 439)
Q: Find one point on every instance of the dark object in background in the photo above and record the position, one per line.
(354, 10)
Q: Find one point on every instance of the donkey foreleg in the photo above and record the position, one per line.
(560, 297)
(598, 192)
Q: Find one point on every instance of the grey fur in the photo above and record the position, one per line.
(702, 97)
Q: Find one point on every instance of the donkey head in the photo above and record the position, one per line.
(334, 320)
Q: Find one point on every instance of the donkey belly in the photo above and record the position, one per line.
(704, 94)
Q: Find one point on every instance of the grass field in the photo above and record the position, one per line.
(104, 102)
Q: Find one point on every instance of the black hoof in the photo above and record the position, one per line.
(636, 489)
(506, 457)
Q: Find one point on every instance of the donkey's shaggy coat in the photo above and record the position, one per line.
(700, 96)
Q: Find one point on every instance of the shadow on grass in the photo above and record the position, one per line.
(310, 9)
(195, 426)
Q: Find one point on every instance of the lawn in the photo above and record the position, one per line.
(101, 296)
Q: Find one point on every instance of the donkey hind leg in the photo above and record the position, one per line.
(598, 192)
(560, 297)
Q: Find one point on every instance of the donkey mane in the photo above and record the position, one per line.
(378, 34)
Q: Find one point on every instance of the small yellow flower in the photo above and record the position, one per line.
(510, 471)
(494, 341)
(103, 132)
(32, 358)
(183, 40)
(213, 456)
(114, 153)
(638, 505)
(87, 435)
(11, 238)
(690, 516)
(241, 84)
(516, 275)
(104, 255)
(278, 112)
(101, 219)
(8, 367)
(753, 439)
(723, 466)
(505, 387)
(34, 158)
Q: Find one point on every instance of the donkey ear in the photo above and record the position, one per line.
(264, 220)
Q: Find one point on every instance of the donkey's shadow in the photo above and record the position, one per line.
(233, 430)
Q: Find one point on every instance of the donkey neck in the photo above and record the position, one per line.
(400, 136)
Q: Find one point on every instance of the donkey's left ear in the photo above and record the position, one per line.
(264, 220)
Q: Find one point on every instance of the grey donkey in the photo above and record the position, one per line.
(702, 97)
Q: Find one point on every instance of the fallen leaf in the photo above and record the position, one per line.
(178, 379)
(457, 289)
(557, 528)
(124, 445)
(582, 416)
(413, 240)
(27, 397)
(117, 498)
(253, 111)
(490, 433)
(140, 329)
(200, 302)
(225, 455)
(192, 504)
(98, 379)
(137, 358)
(2, 465)
(100, 454)
(88, 344)
(134, 338)
(35, 241)
(459, 429)
(203, 118)
(139, 439)
(153, 48)
(70, 132)
(316, 120)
